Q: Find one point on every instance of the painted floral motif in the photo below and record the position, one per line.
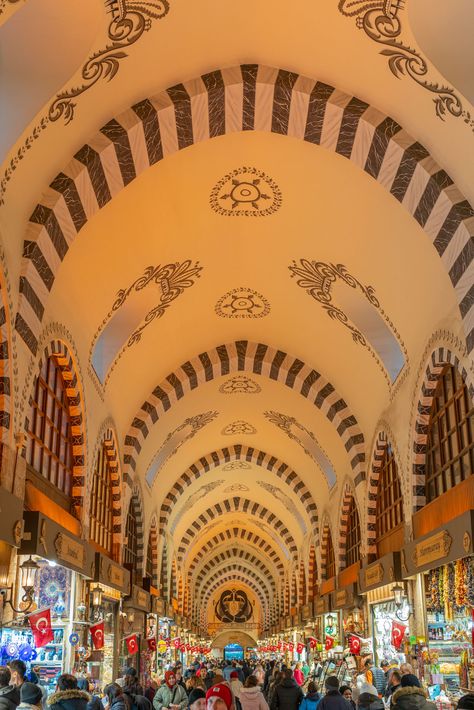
(240, 384)
(238, 427)
(242, 303)
(246, 192)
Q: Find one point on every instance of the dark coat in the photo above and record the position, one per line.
(287, 696)
(367, 701)
(411, 698)
(120, 703)
(333, 700)
(68, 700)
(9, 697)
(95, 703)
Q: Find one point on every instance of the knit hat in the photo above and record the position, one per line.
(195, 694)
(332, 683)
(369, 689)
(466, 702)
(234, 674)
(409, 681)
(222, 691)
(31, 693)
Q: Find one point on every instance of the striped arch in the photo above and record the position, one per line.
(235, 505)
(286, 599)
(164, 572)
(61, 354)
(174, 580)
(325, 537)
(260, 359)
(136, 504)
(313, 573)
(240, 535)
(440, 357)
(5, 354)
(239, 578)
(240, 452)
(267, 585)
(294, 590)
(108, 439)
(235, 572)
(234, 554)
(153, 542)
(348, 494)
(180, 594)
(302, 585)
(243, 98)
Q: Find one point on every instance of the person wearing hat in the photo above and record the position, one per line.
(410, 695)
(219, 697)
(197, 699)
(333, 700)
(170, 694)
(369, 698)
(236, 685)
(31, 697)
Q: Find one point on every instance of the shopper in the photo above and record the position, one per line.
(251, 696)
(466, 702)
(170, 693)
(67, 695)
(9, 694)
(18, 672)
(236, 685)
(31, 696)
(94, 701)
(305, 669)
(406, 668)
(369, 698)
(219, 697)
(346, 692)
(131, 686)
(312, 697)
(114, 697)
(375, 676)
(410, 695)
(206, 677)
(333, 700)
(197, 699)
(394, 681)
(275, 681)
(288, 693)
(298, 674)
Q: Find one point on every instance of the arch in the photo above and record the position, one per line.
(313, 573)
(233, 554)
(240, 452)
(136, 503)
(259, 359)
(164, 572)
(153, 542)
(439, 358)
(348, 495)
(243, 98)
(326, 537)
(61, 354)
(232, 574)
(235, 505)
(267, 585)
(174, 580)
(241, 534)
(302, 585)
(243, 638)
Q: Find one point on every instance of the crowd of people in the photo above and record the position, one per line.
(213, 685)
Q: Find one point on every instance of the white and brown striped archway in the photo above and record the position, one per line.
(240, 536)
(244, 98)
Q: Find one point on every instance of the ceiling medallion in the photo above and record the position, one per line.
(240, 384)
(238, 427)
(242, 303)
(234, 465)
(245, 192)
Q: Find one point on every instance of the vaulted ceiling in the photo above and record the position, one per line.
(249, 219)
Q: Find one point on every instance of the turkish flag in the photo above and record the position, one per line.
(299, 647)
(97, 633)
(151, 643)
(291, 647)
(398, 632)
(312, 642)
(132, 644)
(280, 645)
(329, 643)
(177, 642)
(188, 647)
(40, 623)
(354, 645)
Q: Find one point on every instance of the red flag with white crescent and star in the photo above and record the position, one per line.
(97, 634)
(398, 634)
(40, 623)
(132, 644)
(151, 643)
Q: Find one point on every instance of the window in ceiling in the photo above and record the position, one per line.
(101, 512)
(389, 505)
(357, 308)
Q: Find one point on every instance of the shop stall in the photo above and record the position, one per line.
(442, 563)
(135, 609)
(111, 584)
(388, 613)
(62, 564)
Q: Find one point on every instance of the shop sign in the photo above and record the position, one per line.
(321, 605)
(374, 574)
(69, 550)
(305, 612)
(159, 606)
(433, 548)
(288, 622)
(340, 598)
(117, 576)
(11, 511)
(169, 611)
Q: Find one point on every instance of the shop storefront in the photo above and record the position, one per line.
(63, 562)
(352, 614)
(135, 609)
(388, 613)
(442, 564)
(111, 584)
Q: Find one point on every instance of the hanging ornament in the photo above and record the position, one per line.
(74, 639)
(12, 650)
(25, 652)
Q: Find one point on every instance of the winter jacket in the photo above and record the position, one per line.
(299, 676)
(378, 679)
(133, 689)
(95, 703)
(236, 686)
(164, 697)
(252, 699)
(9, 697)
(120, 703)
(411, 698)
(333, 700)
(68, 700)
(369, 702)
(28, 706)
(287, 696)
(310, 701)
